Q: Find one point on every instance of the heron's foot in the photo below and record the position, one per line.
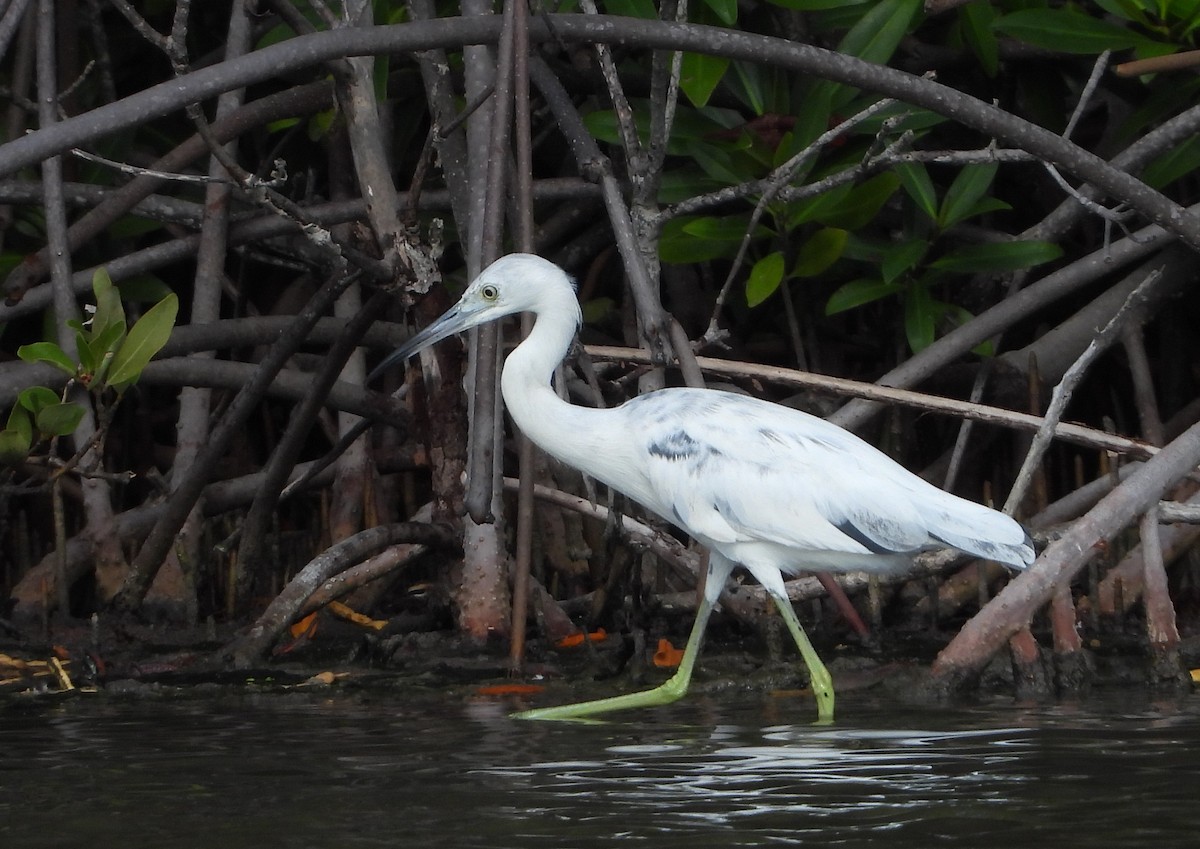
(669, 691)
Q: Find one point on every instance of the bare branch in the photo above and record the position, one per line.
(1109, 334)
(1077, 434)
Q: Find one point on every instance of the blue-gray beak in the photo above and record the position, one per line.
(452, 321)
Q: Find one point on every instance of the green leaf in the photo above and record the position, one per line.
(19, 422)
(859, 292)
(976, 19)
(109, 311)
(1067, 31)
(47, 352)
(814, 117)
(987, 204)
(748, 83)
(282, 124)
(631, 8)
(598, 309)
(1179, 161)
(35, 397)
(145, 339)
(919, 186)
(689, 240)
(14, 447)
(902, 259)
(103, 349)
(716, 162)
(685, 183)
(820, 208)
(108, 340)
(87, 359)
(728, 228)
(765, 277)
(873, 38)
(920, 317)
(879, 32)
(699, 75)
(968, 188)
(822, 250)
(320, 124)
(59, 419)
(861, 204)
(725, 10)
(602, 124)
(997, 257)
(1130, 10)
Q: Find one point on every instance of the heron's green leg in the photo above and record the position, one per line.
(670, 690)
(821, 680)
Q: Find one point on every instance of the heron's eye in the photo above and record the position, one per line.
(489, 293)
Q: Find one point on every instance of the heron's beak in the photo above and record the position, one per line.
(454, 320)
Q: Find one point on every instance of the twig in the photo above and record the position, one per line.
(176, 47)
(964, 432)
(1112, 216)
(1143, 386)
(1074, 433)
(137, 171)
(593, 164)
(1066, 387)
(1170, 512)
(140, 24)
(895, 154)
(626, 125)
(1156, 64)
(1088, 90)
(1116, 215)
(664, 97)
(672, 552)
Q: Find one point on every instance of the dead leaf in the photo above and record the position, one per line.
(348, 613)
(667, 655)
(572, 640)
(510, 689)
(305, 627)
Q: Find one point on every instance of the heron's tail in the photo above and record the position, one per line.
(978, 530)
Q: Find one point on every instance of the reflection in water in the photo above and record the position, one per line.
(396, 771)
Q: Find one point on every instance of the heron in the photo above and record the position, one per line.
(760, 485)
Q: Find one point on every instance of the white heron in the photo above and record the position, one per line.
(760, 485)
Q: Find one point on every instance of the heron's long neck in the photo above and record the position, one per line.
(565, 431)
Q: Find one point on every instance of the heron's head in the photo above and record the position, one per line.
(512, 284)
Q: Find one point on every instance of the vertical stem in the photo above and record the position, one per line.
(1160, 613)
(195, 401)
(523, 178)
(482, 592)
(483, 452)
(62, 583)
(10, 21)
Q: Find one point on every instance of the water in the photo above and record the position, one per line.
(343, 770)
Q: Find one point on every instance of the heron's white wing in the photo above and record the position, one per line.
(731, 469)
